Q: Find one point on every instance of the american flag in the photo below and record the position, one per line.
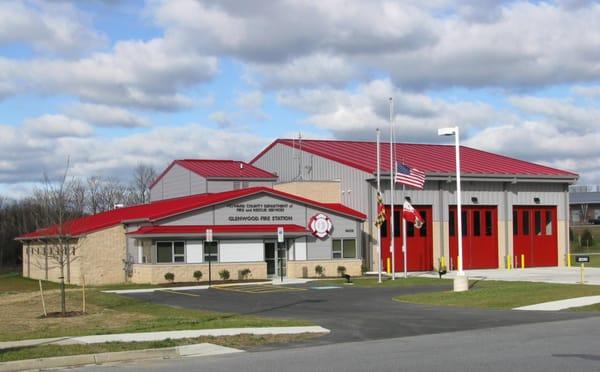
(409, 176)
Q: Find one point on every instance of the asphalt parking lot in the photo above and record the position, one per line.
(352, 313)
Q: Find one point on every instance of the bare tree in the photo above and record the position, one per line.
(143, 175)
(56, 197)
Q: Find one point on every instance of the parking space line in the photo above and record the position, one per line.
(259, 289)
(181, 293)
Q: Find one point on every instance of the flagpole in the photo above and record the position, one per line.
(404, 243)
(377, 209)
(392, 171)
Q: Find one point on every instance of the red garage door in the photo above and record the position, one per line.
(480, 237)
(419, 241)
(534, 235)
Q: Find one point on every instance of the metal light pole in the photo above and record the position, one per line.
(461, 282)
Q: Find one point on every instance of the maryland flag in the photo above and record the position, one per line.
(380, 211)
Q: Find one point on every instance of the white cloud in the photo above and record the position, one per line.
(135, 73)
(221, 118)
(53, 27)
(357, 114)
(56, 126)
(564, 114)
(25, 157)
(106, 116)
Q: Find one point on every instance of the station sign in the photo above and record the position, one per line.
(582, 259)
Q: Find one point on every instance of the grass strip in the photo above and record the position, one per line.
(239, 342)
(487, 294)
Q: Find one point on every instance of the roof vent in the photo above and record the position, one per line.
(117, 206)
(241, 165)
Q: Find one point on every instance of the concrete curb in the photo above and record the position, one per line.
(163, 335)
(204, 349)
(183, 288)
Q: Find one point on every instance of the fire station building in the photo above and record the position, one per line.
(322, 194)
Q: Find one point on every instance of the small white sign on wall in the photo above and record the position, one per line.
(209, 235)
(280, 235)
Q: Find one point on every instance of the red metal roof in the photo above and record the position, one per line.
(231, 169)
(217, 229)
(170, 207)
(433, 159)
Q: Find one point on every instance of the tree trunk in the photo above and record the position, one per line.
(63, 305)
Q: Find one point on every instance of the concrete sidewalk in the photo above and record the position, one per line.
(560, 275)
(562, 304)
(158, 336)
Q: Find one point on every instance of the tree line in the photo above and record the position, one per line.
(79, 197)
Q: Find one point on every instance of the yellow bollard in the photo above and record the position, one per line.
(507, 262)
(443, 263)
(458, 263)
(522, 261)
(389, 266)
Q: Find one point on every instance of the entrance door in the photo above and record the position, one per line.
(479, 237)
(276, 259)
(270, 256)
(535, 235)
(419, 255)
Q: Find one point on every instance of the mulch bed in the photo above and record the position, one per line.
(68, 314)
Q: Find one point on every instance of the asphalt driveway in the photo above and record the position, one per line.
(354, 313)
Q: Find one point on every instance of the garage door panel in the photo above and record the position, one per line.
(480, 237)
(535, 235)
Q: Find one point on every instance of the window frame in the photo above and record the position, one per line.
(173, 255)
(341, 251)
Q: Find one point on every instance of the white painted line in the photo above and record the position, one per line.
(562, 304)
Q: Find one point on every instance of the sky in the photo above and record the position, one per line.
(110, 84)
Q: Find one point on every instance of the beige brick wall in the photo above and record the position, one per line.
(102, 254)
(38, 265)
(321, 191)
(299, 269)
(155, 274)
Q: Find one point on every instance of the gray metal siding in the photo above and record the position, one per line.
(219, 186)
(318, 249)
(284, 161)
(177, 182)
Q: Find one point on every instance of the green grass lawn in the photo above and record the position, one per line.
(106, 313)
(503, 295)
(386, 282)
(15, 283)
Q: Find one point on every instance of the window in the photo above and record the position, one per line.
(343, 248)
(476, 223)
(423, 229)
(538, 223)
(178, 251)
(384, 228)
(548, 223)
(452, 223)
(410, 229)
(525, 223)
(349, 248)
(211, 251)
(464, 223)
(164, 252)
(515, 224)
(489, 229)
(245, 184)
(397, 224)
(168, 252)
(337, 249)
(236, 185)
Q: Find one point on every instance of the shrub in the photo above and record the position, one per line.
(319, 270)
(198, 275)
(586, 238)
(244, 273)
(224, 274)
(341, 270)
(170, 277)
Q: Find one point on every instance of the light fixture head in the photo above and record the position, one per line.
(448, 131)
